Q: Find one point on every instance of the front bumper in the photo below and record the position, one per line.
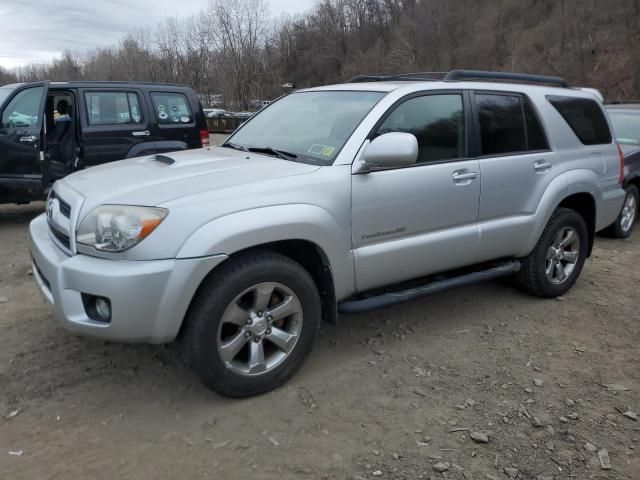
(149, 299)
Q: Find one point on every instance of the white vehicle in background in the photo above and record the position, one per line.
(215, 112)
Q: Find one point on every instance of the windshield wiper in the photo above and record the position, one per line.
(235, 146)
(272, 151)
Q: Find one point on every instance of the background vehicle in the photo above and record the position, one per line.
(101, 122)
(328, 200)
(625, 120)
(215, 112)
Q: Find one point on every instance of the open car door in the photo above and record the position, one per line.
(23, 169)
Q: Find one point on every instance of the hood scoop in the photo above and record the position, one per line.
(161, 159)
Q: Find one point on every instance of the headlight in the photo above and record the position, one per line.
(114, 228)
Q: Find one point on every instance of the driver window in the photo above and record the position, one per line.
(24, 109)
(437, 121)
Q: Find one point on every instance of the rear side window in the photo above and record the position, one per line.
(585, 117)
(113, 108)
(437, 121)
(508, 124)
(171, 108)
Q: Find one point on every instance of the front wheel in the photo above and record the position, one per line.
(556, 261)
(252, 324)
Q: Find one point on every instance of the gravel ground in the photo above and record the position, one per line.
(480, 383)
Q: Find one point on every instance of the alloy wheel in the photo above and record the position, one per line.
(259, 328)
(628, 214)
(562, 255)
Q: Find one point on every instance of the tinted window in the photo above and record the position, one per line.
(24, 109)
(501, 124)
(508, 124)
(626, 126)
(437, 121)
(536, 139)
(113, 108)
(171, 108)
(585, 117)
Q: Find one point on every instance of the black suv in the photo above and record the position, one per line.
(50, 129)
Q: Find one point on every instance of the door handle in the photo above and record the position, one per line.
(28, 139)
(542, 166)
(462, 175)
(141, 133)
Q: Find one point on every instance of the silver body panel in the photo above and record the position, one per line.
(375, 228)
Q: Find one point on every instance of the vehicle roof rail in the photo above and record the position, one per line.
(506, 76)
(415, 76)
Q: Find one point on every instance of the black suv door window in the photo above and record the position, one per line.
(585, 117)
(437, 121)
(23, 110)
(113, 108)
(508, 124)
(171, 108)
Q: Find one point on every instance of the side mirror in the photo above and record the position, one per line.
(395, 149)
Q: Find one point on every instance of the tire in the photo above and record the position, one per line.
(623, 226)
(240, 310)
(539, 274)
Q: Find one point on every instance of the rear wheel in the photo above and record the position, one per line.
(623, 226)
(252, 324)
(555, 263)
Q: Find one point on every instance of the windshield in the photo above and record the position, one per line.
(626, 126)
(310, 127)
(4, 93)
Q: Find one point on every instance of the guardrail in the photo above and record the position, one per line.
(224, 124)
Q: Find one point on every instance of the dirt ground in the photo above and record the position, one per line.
(380, 397)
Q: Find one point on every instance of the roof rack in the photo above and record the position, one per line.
(455, 75)
(512, 77)
(417, 76)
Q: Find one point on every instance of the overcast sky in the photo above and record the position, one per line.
(39, 30)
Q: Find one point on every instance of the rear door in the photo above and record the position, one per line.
(175, 121)
(22, 139)
(115, 125)
(516, 166)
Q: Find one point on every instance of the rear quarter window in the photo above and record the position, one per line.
(585, 117)
(172, 108)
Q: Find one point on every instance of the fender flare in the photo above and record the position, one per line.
(562, 187)
(246, 229)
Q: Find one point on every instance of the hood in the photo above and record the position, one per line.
(160, 178)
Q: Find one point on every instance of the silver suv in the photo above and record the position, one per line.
(326, 201)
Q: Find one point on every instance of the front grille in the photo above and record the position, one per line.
(61, 237)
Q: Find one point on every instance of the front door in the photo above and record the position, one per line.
(23, 173)
(414, 221)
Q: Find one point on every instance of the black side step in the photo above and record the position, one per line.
(386, 299)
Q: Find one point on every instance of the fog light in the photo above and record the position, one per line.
(97, 308)
(103, 309)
